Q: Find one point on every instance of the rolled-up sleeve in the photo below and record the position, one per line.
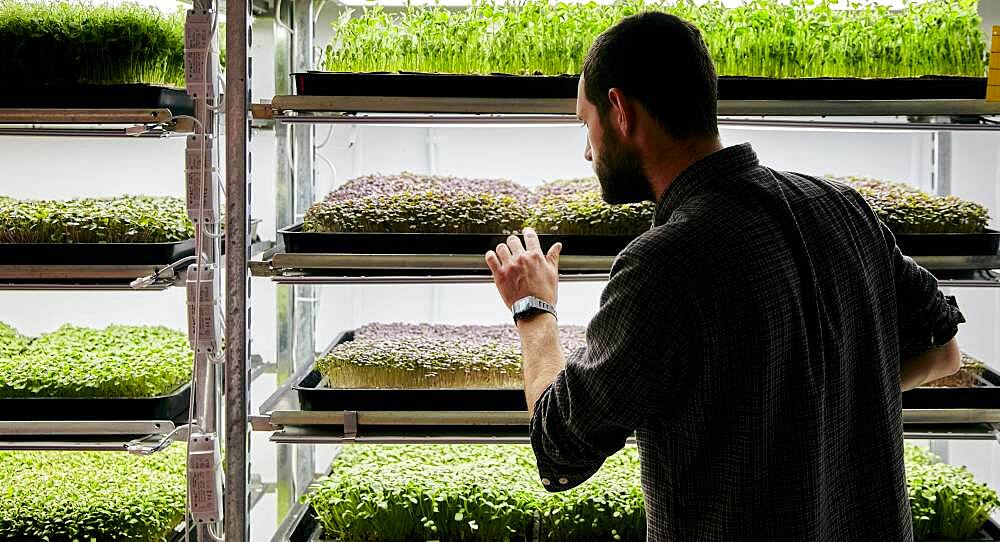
(635, 359)
(926, 317)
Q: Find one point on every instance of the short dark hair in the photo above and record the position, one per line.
(660, 60)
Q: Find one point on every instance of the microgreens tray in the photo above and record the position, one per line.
(985, 394)
(96, 253)
(82, 96)
(563, 86)
(298, 241)
(315, 394)
(986, 243)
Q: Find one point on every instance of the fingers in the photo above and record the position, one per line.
(553, 254)
(503, 253)
(514, 244)
(493, 262)
(531, 240)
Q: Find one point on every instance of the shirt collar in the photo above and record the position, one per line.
(720, 163)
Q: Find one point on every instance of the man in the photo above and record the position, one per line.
(756, 340)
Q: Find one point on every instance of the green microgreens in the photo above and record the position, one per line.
(435, 492)
(74, 495)
(905, 209)
(74, 42)
(126, 219)
(118, 361)
(766, 38)
(438, 492)
(431, 356)
(11, 342)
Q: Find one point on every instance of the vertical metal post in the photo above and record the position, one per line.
(284, 217)
(237, 286)
(303, 297)
(941, 142)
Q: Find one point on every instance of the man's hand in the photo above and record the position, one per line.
(520, 271)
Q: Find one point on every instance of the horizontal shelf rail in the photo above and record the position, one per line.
(83, 116)
(465, 110)
(416, 279)
(304, 268)
(155, 132)
(82, 277)
(473, 419)
(127, 123)
(300, 435)
(787, 123)
(79, 435)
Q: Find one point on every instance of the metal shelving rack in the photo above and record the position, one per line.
(298, 275)
(117, 434)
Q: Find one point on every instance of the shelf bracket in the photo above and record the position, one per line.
(350, 425)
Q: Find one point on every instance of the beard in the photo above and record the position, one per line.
(621, 173)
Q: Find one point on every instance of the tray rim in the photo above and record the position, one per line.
(170, 395)
(296, 229)
(91, 245)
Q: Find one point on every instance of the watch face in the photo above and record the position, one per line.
(520, 305)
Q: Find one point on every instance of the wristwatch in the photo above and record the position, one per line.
(530, 306)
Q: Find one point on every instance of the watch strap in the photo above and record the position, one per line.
(530, 306)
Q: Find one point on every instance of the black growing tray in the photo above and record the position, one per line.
(986, 243)
(95, 253)
(312, 397)
(986, 395)
(296, 240)
(173, 407)
(82, 96)
(421, 85)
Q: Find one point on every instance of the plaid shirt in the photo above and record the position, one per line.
(752, 341)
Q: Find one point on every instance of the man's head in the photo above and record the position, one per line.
(648, 85)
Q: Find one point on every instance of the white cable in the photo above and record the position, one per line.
(325, 139)
(318, 11)
(333, 171)
(277, 17)
(137, 447)
(211, 533)
(149, 280)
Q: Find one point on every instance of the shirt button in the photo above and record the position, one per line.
(545, 481)
(563, 481)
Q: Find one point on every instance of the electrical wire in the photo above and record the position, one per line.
(333, 170)
(277, 17)
(318, 11)
(326, 139)
(137, 447)
(211, 533)
(197, 309)
(143, 282)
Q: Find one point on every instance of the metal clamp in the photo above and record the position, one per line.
(350, 425)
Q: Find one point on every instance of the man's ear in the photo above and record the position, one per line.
(622, 114)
